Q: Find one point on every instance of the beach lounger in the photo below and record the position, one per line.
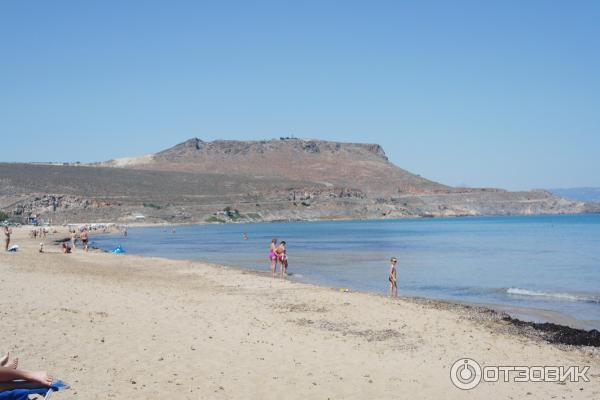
(24, 393)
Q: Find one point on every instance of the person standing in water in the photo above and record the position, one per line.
(392, 277)
(73, 239)
(282, 257)
(273, 256)
(84, 239)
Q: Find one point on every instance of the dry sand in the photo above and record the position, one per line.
(129, 327)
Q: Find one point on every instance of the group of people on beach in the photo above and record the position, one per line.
(42, 233)
(277, 254)
(68, 247)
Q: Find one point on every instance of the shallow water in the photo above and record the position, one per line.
(541, 262)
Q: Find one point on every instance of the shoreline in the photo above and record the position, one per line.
(551, 326)
(155, 327)
(419, 217)
(536, 318)
(347, 219)
(518, 314)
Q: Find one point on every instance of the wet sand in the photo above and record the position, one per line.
(130, 327)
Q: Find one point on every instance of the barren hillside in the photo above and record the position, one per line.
(360, 166)
(197, 181)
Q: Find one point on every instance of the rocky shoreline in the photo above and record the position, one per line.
(555, 333)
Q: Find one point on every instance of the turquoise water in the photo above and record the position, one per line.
(542, 262)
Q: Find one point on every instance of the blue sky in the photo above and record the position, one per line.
(502, 94)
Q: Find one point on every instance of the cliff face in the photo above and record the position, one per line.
(284, 179)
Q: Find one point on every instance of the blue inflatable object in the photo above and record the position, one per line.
(118, 250)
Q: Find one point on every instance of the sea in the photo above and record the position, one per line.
(529, 266)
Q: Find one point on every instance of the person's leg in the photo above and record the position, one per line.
(11, 374)
(273, 266)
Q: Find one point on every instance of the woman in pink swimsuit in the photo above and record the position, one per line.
(273, 256)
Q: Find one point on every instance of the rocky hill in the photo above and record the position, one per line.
(360, 166)
(197, 181)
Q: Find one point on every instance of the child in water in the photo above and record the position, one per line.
(392, 277)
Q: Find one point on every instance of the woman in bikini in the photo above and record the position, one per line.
(273, 256)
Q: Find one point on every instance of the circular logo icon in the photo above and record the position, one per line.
(465, 373)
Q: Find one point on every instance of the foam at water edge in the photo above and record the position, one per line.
(564, 296)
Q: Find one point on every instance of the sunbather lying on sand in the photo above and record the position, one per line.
(9, 374)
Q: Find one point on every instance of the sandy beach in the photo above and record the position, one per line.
(130, 327)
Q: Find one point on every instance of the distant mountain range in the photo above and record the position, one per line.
(579, 193)
(269, 180)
